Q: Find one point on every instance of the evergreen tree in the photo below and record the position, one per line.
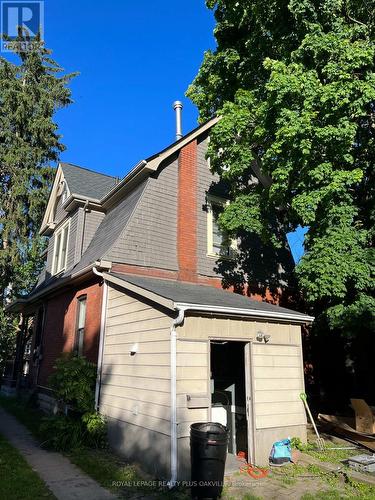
(30, 93)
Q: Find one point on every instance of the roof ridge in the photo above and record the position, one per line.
(62, 163)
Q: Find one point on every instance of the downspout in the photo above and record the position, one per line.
(173, 361)
(101, 337)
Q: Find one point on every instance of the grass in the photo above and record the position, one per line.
(18, 480)
(120, 477)
(104, 466)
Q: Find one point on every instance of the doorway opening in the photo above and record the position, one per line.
(228, 391)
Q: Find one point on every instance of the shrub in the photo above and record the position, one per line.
(77, 423)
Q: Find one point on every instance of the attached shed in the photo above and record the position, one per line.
(174, 353)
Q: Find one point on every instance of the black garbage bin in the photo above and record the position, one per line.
(208, 451)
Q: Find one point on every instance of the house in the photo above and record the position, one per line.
(130, 283)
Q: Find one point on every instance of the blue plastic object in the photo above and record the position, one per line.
(281, 452)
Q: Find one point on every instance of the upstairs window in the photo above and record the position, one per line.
(60, 249)
(80, 328)
(218, 241)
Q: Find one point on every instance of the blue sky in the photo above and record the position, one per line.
(134, 60)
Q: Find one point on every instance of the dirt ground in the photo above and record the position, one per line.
(303, 481)
(278, 486)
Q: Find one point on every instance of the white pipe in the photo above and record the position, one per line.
(177, 106)
(101, 337)
(173, 360)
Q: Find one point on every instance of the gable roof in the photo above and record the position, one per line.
(87, 183)
(177, 294)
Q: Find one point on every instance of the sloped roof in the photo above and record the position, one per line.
(192, 294)
(86, 182)
(111, 227)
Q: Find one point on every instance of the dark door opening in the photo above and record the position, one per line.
(228, 391)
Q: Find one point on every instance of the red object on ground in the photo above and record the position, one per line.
(253, 471)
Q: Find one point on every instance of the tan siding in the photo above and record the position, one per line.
(277, 376)
(277, 383)
(136, 389)
(192, 379)
(199, 327)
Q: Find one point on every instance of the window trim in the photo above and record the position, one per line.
(216, 200)
(56, 269)
(79, 341)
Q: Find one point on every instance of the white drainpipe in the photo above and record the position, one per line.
(177, 321)
(101, 337)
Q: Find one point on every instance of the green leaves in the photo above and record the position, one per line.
(30, 93)
(296, 138)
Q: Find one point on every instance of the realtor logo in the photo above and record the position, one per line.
(24, 17)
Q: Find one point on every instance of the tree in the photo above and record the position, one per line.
(294, 83)
(30, 93)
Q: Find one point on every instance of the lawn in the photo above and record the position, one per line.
(104, 466)
(305, 482)
(18, 480)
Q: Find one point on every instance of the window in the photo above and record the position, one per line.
(80, 328)
(218, 241)
(60, 249)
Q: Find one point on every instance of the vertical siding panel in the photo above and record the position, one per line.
(92, 222)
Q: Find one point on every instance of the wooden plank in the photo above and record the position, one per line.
(157, 347)
(192, 372)
(132, 370)
(139, 358)
(274, 361)
(275, 350)
(147, 422)
(364, 418)
(186, 359)
(136, 382)
(283, 420)
(274, 384)
(146, 325)
(281, 408)
(152, 335)
(137, 407)
(145, 395)
(276, 396)
(187, 386)
(280, 372)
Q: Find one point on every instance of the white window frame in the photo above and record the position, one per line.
(216, 200)
(81, 313)
(59, 263)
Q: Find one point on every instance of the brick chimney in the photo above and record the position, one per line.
(187, 213)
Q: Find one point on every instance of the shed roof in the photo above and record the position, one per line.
(203, 297)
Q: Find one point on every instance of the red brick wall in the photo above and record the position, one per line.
(60, 325)
(187, 213)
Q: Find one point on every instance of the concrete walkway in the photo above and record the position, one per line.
(64, 479)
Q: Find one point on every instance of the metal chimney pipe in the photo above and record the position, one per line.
(177, 106)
